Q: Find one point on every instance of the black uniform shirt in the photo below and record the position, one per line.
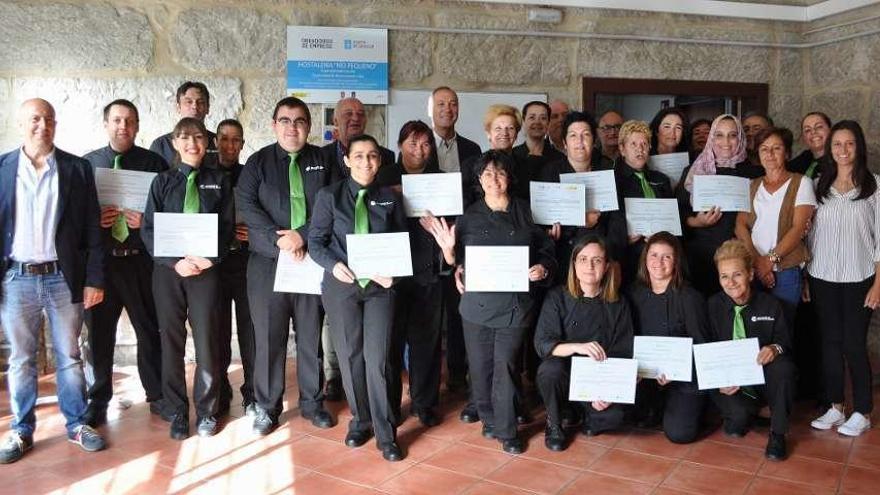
(675, 313)
(163, 147)
(480, 226)
(762, 316)
(333, 218)
(263, 193)
(137, 159)
(333, 155)
(565, 320)
(215, 196)
(802, 162)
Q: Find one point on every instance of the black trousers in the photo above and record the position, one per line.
(843, 326)
(493, 360)
(739, 410)
(233, 287)
(360, 326)
(195, 298)
(128, 284)
(456, 355)
(417, 325)
(682, 405)
(554, 376)
(271, 313)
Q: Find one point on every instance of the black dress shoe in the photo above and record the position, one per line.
(733, 431)
(391, 452)
(587, 430)
(180, 427)
(95, 416)
(513, 445)
(554, 437)
(776, 450)
(320, 418)
(356, 438)
(264, 423)
(428, 417)
(333, 390)
(488, 431)
(570, 417)
(158, 408)
(469, 414)
(524, 418)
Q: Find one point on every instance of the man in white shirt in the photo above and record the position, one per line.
(452, 149)
(52, 262)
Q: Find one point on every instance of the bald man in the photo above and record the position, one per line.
(609, 130)
(558, 111)
(350, 119)
(52, 261)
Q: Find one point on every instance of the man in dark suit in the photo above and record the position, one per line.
(129, 271)
(453, 149)
(52, 261)
(350, 119)
(192, 100)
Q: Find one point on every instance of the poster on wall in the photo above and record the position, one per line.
(325, 64)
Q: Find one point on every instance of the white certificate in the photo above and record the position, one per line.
(612, 380)
(127, 189)
(727, 364)
(496, 268)
(670, 164)
(600, 187)
(438, 193)
(668, 356)
(180, 234)
(385, 255)
(649, 216)
(554, 202)
(728, 192)
(301, 277)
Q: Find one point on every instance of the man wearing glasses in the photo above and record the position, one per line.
(276, 191)
(609, 129)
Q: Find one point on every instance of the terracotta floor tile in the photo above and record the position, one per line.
(363, 468)
(578, 455)
(536, 476)
(870, 437)
(726, 456)
(426, 480)
(768, 486)
(652, 442)
(804, 470)
(591, 482)
(866, 456)
(489, 488)
(699, 478)
(453, 429)
(860, 481)
(634, 466)
(46, 484)
(609, 439)
(420, 447)
(827, 445)
(312, 452)
(318, 484)
(477, 439)
(755, 438)
(468, 459)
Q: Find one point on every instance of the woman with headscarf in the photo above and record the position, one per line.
(705, 231)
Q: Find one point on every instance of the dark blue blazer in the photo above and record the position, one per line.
(78, 235)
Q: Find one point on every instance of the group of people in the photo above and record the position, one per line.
(813, 234)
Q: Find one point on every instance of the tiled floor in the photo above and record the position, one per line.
(450, 458)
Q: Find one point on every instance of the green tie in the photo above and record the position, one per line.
(191, 199)
(647, 192)
(361, 224)
(812, 169)
(119, 231)
(739, 333)
(297, 194)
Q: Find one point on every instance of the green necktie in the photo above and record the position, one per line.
(119, 231)
(361, 224)
(191, 199)
(812, 169)
(297, 194)
(647, 192)
(739, 333)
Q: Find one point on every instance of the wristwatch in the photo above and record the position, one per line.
(777, 348)
(774, 256)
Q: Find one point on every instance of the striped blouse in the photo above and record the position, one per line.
(845, 238)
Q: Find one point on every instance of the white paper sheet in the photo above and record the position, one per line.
(301, 277)
(181, 234)
(727, 364)
(127, 189)
(438, 193)
(496, 268)
(601, 189)
(728, 192)
(558, 202)
(611, 380)
(649, 216)
(386, 255)
(668, 356)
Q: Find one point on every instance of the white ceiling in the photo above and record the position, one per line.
(781, 10)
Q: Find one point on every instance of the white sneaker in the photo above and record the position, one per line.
(855, 425)
(832, 417)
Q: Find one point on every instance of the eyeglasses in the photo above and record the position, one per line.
(286, 122)
(610, 127)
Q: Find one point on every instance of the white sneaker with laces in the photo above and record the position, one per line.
(855, 425)
(832, 417)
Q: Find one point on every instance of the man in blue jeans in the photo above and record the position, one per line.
(52, 265)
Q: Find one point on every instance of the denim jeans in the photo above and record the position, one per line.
(788, 290)
(23, 302)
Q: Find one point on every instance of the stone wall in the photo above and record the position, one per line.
(80, 54)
